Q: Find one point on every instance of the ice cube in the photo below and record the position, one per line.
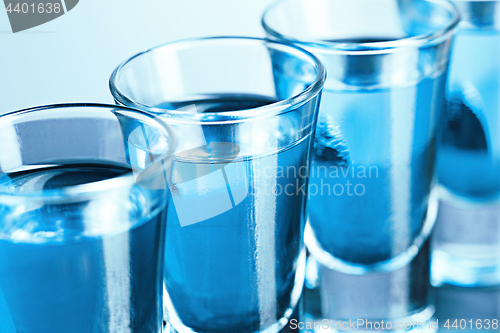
(329, 145)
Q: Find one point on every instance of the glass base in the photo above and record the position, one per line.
(457, 270)
(387, 301)
(175, 324)
(466, 243)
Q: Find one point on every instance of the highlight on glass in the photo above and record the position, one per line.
(372, 200)
(82, 218)
(246, 110)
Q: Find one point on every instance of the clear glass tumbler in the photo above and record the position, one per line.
(82, 217)
(246, 110)
(372, 199)
(466, 248)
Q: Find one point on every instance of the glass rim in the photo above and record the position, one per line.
(434, 37)
(76, 192)
(225, 117)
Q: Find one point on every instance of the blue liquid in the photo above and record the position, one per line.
(469, 151)
(369, 219)
(241, 270)
(89, 266)
(467, 240)
(375, 151)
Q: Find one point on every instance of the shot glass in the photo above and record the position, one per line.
(246, 109)
(82, 218)
(466, 246)
(372, 199)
